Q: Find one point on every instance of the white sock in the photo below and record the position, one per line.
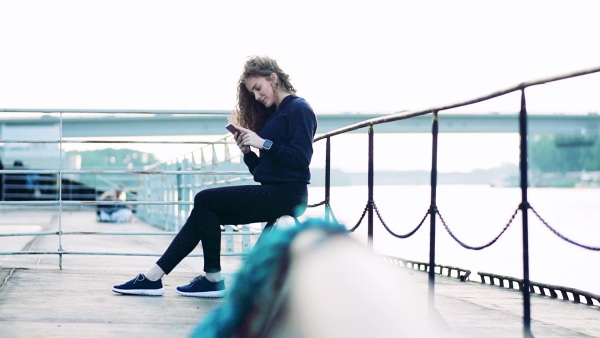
(155, 273)
(214, 276)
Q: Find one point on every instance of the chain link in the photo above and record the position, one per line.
(390, 231)
(315, 205)
(361, 218)
(563, 237)
(357, 224)
(332, 214)
(476, 247)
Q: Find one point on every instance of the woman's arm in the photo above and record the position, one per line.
(302, 124)
(251, 160)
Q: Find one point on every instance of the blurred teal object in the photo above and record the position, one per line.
(257, 284)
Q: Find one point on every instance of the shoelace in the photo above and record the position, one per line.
(197, 279)
(139, 278)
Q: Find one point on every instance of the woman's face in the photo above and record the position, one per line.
(262, 89)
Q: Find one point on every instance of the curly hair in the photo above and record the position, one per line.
(249, 113)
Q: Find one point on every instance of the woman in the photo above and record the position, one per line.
(281, 126)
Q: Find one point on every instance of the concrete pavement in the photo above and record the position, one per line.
(38, 299)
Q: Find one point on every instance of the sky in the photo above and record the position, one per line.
(343, 56)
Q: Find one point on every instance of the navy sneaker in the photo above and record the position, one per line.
(142, 286)
(202, 287)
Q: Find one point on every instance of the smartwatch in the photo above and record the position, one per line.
(267, 145)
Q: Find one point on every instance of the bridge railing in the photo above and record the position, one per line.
(213, 165)
(433, 213)
(161, 194)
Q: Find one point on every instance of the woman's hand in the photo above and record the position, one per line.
(250, 138)
(239, 139)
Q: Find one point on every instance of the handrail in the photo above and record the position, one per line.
(172, 192)
(146, 172)
(116, 142)
(116, 111)
(433, 210)
(408, 114)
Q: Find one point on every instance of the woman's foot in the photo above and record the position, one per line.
(141, 286)
(202, 287)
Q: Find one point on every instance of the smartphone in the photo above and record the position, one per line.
(232, 128)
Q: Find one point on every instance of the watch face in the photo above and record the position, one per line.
(267, 145)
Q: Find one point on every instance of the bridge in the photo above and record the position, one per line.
(111, 123)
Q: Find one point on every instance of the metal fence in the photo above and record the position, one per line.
(160, 194)
(433, 213)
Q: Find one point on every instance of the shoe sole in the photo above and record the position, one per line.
(140, 292)
(207, 294)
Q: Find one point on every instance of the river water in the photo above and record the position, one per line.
(476, 214)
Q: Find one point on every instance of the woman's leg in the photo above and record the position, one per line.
(188, 237)
(227, 205)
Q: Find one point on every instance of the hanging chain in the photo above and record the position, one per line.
(315, 205)
(390, 231)
(333, 215)
(361, 218)
(477, 247)
(436, 211)
(563, 237)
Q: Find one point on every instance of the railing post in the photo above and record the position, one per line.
(246, 239)
(327, 178)
(180, 191)
(1, 184)
(229, 243)
(524, 208)
(433, 208)
(370, 183)
(60, 211)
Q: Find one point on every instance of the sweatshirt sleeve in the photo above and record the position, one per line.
(302, 125)
(251, 160)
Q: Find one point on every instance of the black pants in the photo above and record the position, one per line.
(230, 205)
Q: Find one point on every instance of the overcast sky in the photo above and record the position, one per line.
(359, 56)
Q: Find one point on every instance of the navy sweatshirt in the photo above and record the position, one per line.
(292, 128)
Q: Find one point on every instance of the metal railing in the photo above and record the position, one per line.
(433, 212)
(162, 193)
(190, 172)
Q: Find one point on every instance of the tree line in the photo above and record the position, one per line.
(115, 159)
(564, 153)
